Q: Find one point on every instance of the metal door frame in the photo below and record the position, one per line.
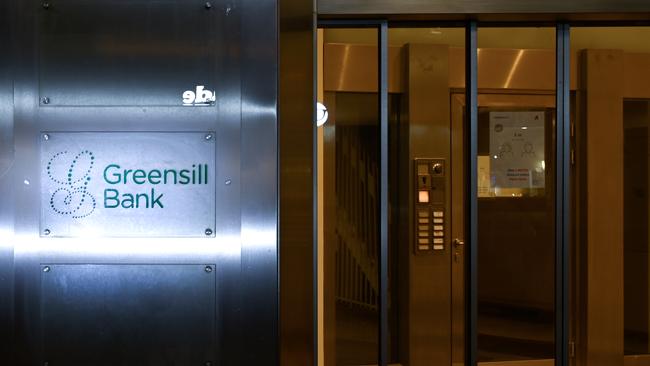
(563, 209)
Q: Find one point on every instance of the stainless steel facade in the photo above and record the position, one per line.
(102, 66)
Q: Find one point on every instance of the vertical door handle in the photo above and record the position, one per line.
(458, 243)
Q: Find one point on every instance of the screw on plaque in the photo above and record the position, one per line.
(46, 137)
(208, 137)
(228, 10)
(45, 100)
(46, 269)
(208, 231)
(46, 5)
(47, 232)
(208, 5)
(228, 182)
(208, 363)
(208, 269)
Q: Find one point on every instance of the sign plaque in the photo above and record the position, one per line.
(517, 149)
(128, 184)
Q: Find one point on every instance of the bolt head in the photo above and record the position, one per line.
(228, 182)
(47, 232)
(45, 100)
(208, 269)
(46, 269)
(208, 232)
(46, 137)
(208, 137)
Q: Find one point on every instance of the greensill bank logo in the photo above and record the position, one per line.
(72, 174)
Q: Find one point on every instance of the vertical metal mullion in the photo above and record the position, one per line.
(562, 192)
(471, 214)
(383, 210)
(315, 187)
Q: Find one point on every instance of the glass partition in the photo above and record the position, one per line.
(349, 190)
(516, 194)
(426, 168)
(611, 94)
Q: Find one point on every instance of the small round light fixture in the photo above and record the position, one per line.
(321, 114)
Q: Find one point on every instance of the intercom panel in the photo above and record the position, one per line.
(430, 211)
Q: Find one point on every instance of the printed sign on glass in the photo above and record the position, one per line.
(517, 149)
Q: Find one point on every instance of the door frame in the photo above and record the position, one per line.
(486, 98)
(470, 163)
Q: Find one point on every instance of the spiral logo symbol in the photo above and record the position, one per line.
(72, 174)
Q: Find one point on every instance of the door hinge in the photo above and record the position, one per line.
(572, 349)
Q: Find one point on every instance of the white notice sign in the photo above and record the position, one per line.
(517, 149)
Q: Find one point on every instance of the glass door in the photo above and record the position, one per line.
(516, 196)
(403, 301)
(611, 100)
(348, 166)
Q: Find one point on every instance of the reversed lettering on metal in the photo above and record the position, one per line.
(128, 184)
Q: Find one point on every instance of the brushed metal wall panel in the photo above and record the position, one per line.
(128, 314)
(91, 60)
(6, 190)
(259, 182)
(243, 39)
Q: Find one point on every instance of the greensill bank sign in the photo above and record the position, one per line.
(128, 184)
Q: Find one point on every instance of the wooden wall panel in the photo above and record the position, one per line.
(603, 90)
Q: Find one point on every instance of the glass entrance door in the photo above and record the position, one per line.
(425, 195)
(426, 205)
(516, 324)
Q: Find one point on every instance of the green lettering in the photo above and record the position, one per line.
(114, 175)
(127, 200)
(206, 173)
(139, 177)
(156, 201)
(126, 175)
(146, 200)
(184, 176)
(155, 174)
(113, 197)
(167, 171)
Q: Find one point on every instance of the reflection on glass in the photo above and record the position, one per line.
(612, 102)
(636, 118)
(516, 204)
(426, 286)
(350, 175)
